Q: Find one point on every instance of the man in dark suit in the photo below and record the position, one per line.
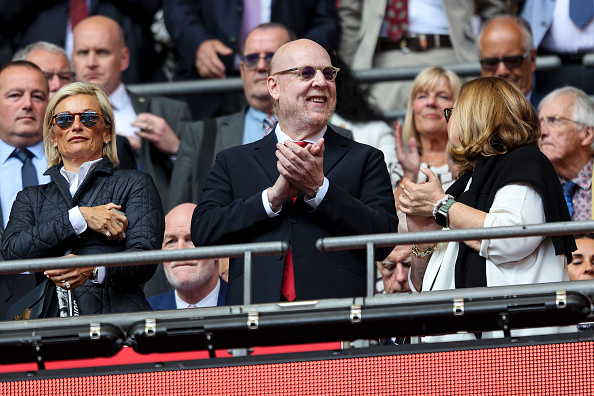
(199, 143)
(276, 189)
(23, 98)
(196, 283)
(152, 124)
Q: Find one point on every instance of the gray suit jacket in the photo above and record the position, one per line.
(175, 112)
(362, 20)
(187, 180)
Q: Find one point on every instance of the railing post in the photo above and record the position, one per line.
(370, 271)
(247, 278)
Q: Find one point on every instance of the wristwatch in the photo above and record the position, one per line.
(441, 216)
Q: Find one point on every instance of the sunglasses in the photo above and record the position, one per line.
(64, 76)
(511, 62)
(251, 60)
(88, 118)
(447, 112)
(309, 72)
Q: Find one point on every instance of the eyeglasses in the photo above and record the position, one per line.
(555, 122)
(447, 112)
(64, 76)
(511, 62)
(309, 72)
(88, 118)
(251, 60)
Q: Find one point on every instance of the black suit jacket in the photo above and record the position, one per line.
(28, 21)
(175, 112)
(359, 201)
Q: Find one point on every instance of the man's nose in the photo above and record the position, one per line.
(502, 70)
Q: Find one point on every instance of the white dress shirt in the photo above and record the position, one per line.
(123, 112)
(209, 301)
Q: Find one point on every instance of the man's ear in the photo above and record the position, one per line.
(273, 87)
(125, 54)
(587, 136)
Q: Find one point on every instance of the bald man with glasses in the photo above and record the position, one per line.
(251, 124)
(507, 50)
(301, 182)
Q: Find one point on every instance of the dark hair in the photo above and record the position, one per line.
(352, 98)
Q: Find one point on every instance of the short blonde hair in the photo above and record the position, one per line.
(426, 80)
(494, 118)
(79, 88)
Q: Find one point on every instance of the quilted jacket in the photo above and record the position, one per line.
(39, 227)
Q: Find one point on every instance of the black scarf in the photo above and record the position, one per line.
(526, 165)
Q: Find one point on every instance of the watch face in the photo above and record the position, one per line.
(441, 219)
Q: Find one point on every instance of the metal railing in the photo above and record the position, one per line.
(380, 240)
(234, 84)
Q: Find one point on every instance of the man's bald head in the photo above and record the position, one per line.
(100, 54)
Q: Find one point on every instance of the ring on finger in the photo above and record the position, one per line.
(107, 233)
(66, 283)
(149, 127)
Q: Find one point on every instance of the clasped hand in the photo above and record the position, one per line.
(300, 168)
(103, 220)
(69, 278)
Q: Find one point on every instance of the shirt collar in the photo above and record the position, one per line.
(6, 150)
(584, 178)
(281, 136)
(257, 115)
(210, 300)
(119, 97)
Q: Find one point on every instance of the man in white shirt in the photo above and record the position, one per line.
(196, 282)
(152, 124)
(23, 98)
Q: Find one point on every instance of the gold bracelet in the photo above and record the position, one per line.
(426, 252)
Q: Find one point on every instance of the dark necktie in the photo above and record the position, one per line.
(288, 290)
(581, 12)
(78, 12)
(568, 189)
(28, 171)
(397, 18)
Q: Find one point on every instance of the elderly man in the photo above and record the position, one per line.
(567, 123)
(298, 184)
(394, 270)
(196, 282)
(23, 99)
(507, 50)
(246, 126)
(151, 124)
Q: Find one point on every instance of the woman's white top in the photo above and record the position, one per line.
(510, 261)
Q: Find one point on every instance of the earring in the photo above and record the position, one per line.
(106, 142)
(55, 145)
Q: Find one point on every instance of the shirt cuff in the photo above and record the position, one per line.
(77, 220)
(315, 200)
(101, 272)
(267, 206)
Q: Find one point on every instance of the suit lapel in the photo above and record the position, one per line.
(335, 148)
(231, 131)
(264, 150)
(139, 103)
